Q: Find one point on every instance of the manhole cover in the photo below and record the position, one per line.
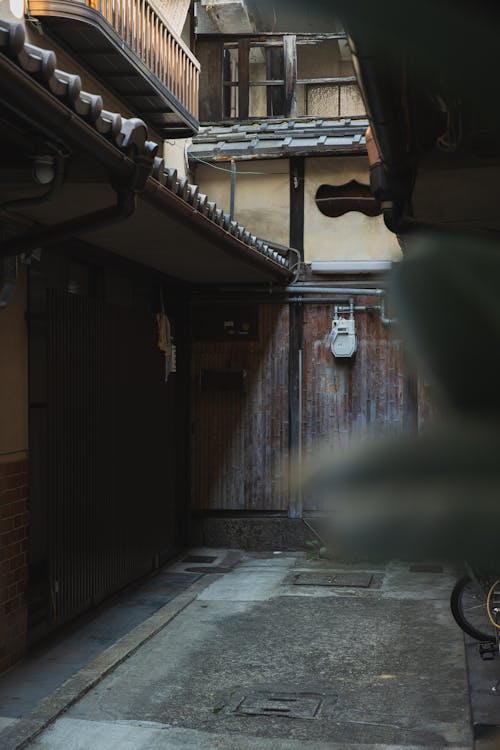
(288, 705)
(347, 580)
(201, 559)
(425, 568)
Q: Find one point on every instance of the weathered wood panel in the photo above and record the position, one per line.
(346, 400)
(290, 55)
(243, 79)
(211, 56)
(240, 440)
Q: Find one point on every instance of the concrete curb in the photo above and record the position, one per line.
(19, 735)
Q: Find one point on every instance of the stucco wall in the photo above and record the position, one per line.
(174, 153)
(262, 200)
(263, 206)
(353, 236)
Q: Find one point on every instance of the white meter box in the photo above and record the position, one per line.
(343, 339)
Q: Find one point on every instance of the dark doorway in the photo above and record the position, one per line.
(108, 438)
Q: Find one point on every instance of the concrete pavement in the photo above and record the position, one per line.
(259, 660)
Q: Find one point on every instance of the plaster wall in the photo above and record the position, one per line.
(353, 236)
(174, 153)
(262, 202)
(175, 11)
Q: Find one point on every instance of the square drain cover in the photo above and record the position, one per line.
(347, 580)
(288, 705)
(201, 559)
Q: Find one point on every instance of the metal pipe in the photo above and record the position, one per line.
(300, 288)
(304, 289)
(299, 507)
(316, 300)
(384, 319)
(269, 301)
(125, 206)
(365, 308)
(233, 189)
(295, 509)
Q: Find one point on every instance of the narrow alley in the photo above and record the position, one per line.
(249, 331)
(279, 651)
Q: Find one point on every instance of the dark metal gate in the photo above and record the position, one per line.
(112, 451)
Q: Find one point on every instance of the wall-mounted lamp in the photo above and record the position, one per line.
(44, 169)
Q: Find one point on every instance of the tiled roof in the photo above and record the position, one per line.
(128, 135)
(273, 138)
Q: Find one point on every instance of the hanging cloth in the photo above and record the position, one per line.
(165, 343)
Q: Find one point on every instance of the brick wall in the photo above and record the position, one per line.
(13, 565)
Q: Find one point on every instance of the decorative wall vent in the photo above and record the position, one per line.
(337, 200)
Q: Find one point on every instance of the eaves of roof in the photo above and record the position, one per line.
(280, 139)
(121, 144)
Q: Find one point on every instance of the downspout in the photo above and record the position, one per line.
(233, 189)
(383, 92)
(91, 222)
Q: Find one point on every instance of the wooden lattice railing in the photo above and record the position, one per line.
(148, 34)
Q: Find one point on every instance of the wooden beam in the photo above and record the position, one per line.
(309, 36)
(227, 93)
(243, 79)
(296, 340)
(274, 72)
(295, 357)
(340, 81)
(290, 65)
(297, 192)
(279, 82)
(211, 58)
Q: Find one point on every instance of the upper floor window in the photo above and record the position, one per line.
(267, 75)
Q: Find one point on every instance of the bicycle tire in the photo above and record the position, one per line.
(457, 610)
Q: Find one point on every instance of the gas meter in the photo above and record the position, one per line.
(343, 341)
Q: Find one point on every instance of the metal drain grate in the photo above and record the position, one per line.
(200, 559)
(425, 568)
(287, 705)
(347, 580)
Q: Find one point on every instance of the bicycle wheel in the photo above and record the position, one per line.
(468, 607)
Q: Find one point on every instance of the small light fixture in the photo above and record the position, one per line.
(44, 169)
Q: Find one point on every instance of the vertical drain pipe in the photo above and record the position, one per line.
(299, 506)
(233, 189)
(295, 406)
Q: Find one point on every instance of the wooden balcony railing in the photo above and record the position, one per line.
(130, 46)
(148, 34)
